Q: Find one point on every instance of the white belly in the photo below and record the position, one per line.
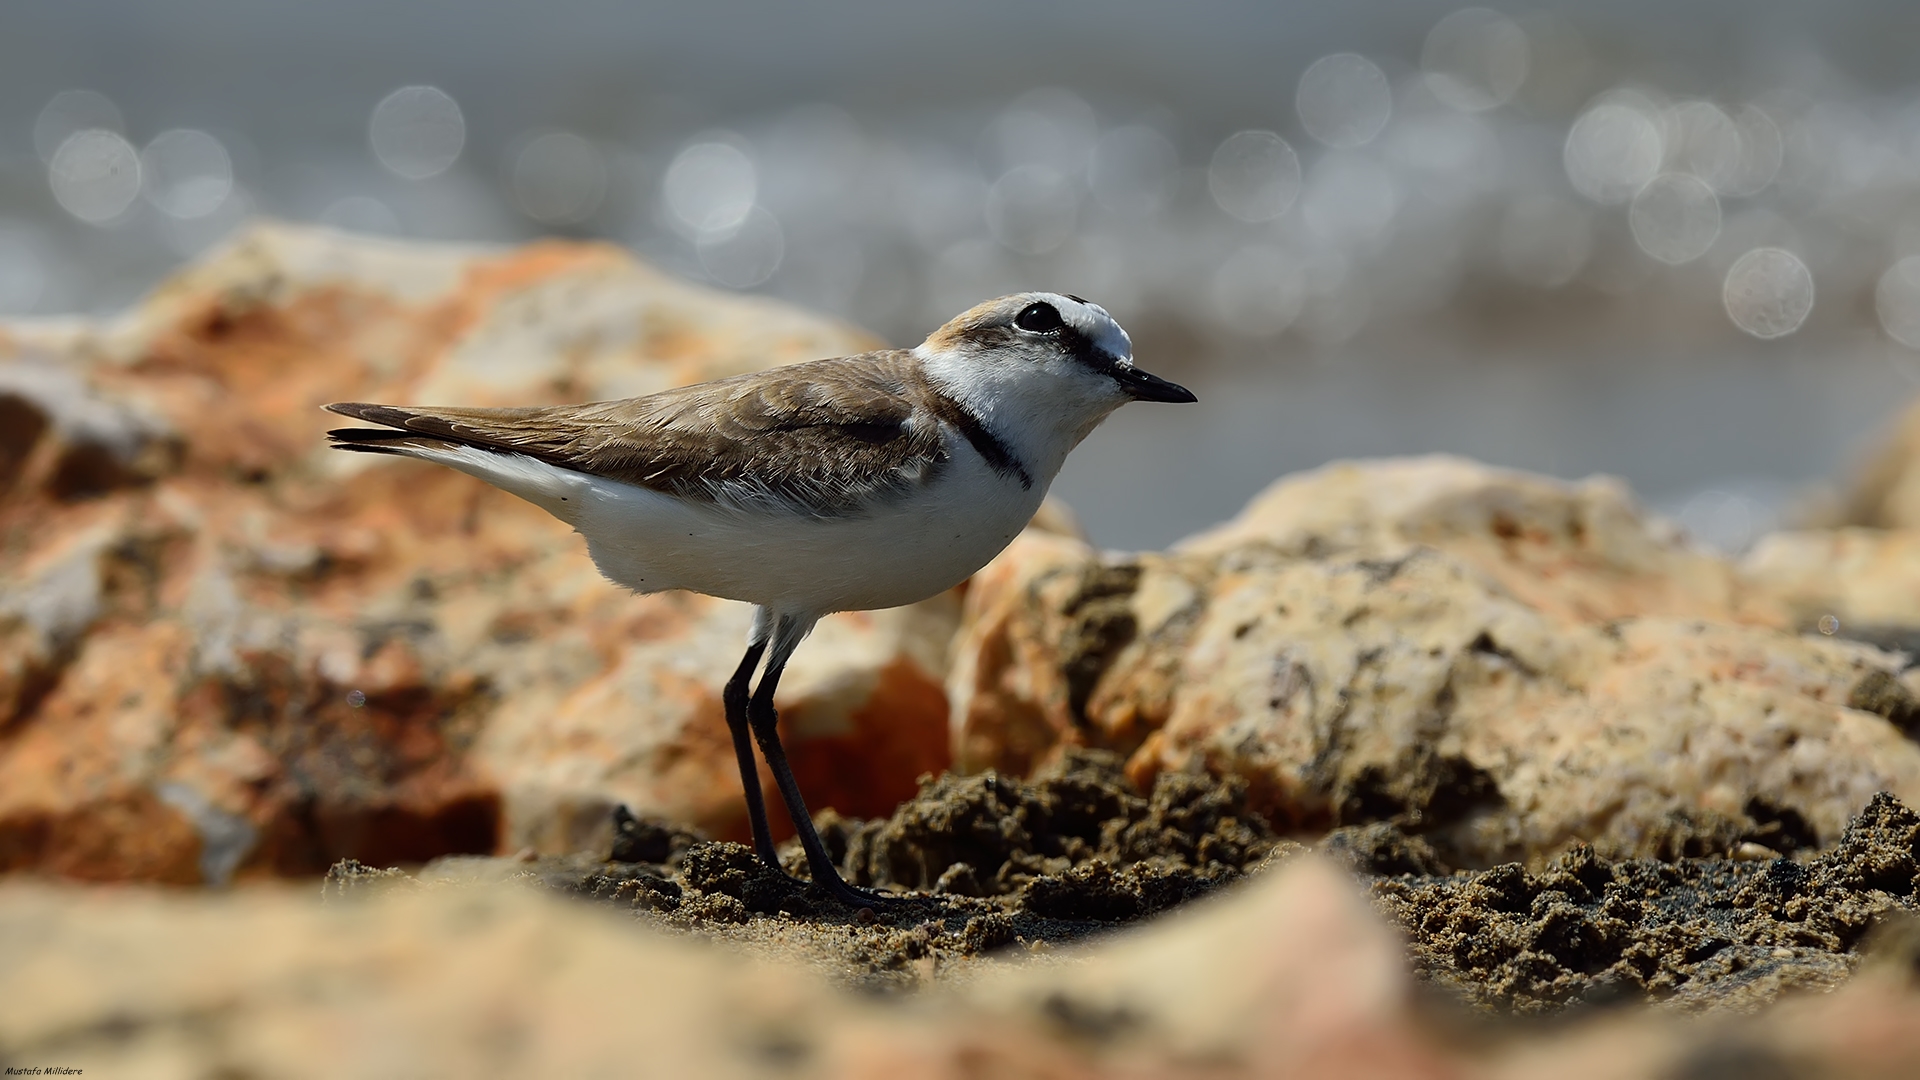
(903, 552)
(911, 548)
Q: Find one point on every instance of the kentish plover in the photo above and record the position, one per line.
(846, 484)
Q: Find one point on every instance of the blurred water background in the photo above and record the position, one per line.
(1676, 243)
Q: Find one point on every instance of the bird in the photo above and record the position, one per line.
(842, 484)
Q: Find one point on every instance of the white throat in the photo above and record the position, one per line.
(1041, 419)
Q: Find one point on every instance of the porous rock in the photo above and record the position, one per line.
(1499, 663)
(225, 649)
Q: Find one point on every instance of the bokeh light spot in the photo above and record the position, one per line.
(95, 175)
(1769, 292)
(186, 173)
(71, 111)
(1475, 59)
(1344, 100)
(1612, 151)
(417, 131)
(1675, 218)
(1897, 301)
(711, 187)
(1254, 176)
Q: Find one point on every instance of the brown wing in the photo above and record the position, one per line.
(830, 435)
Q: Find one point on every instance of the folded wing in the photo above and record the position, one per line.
(826, 437)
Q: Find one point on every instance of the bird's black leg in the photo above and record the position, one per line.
(734, 697)
(766, 730)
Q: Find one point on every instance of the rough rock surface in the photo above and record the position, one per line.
(1501, 664)
(225, 650)
(1696, 934)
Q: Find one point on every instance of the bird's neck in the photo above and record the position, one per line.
(1039, 428)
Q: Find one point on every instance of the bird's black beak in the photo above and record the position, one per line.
(1144, 387)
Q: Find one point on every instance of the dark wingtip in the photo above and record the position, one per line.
(371, 413)
(369, 448)
(368, 435)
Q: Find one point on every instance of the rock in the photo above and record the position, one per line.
(480, 971)
(1853, 566)
(1293, 976)
(1499, 689)
(225, 650)
(1579, 552)
(1884, 493)
(1865, 582)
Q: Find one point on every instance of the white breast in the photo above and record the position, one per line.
(901, 552)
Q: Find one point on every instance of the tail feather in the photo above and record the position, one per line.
(369, 435)
(405, 432)
(392, 439)
(388, 415)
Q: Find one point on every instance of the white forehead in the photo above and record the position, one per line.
(1093, 321)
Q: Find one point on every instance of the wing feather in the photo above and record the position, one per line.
(829, 436)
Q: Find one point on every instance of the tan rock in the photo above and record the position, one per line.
(1867, 579)
(1581, 551)
(1351, 675)
(225, 649)
(1885, 492)
(1290, 975)
(1294, 976)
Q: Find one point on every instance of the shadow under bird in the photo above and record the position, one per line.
(845, 484)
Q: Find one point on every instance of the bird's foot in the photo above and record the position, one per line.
(853, 896)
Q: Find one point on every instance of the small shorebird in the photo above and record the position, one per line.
(858, 482)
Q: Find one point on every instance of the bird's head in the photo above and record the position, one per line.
(1037, 356)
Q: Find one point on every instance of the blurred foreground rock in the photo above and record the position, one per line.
(1295, 974)
(225, 650)
(1290, 975)
(1500, 662)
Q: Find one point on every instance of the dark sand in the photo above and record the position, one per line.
(1010, 868)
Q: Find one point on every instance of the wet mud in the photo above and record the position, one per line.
(992, 866)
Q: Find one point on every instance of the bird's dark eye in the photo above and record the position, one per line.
(1038, 319)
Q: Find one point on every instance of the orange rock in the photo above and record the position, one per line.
(280, 656)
